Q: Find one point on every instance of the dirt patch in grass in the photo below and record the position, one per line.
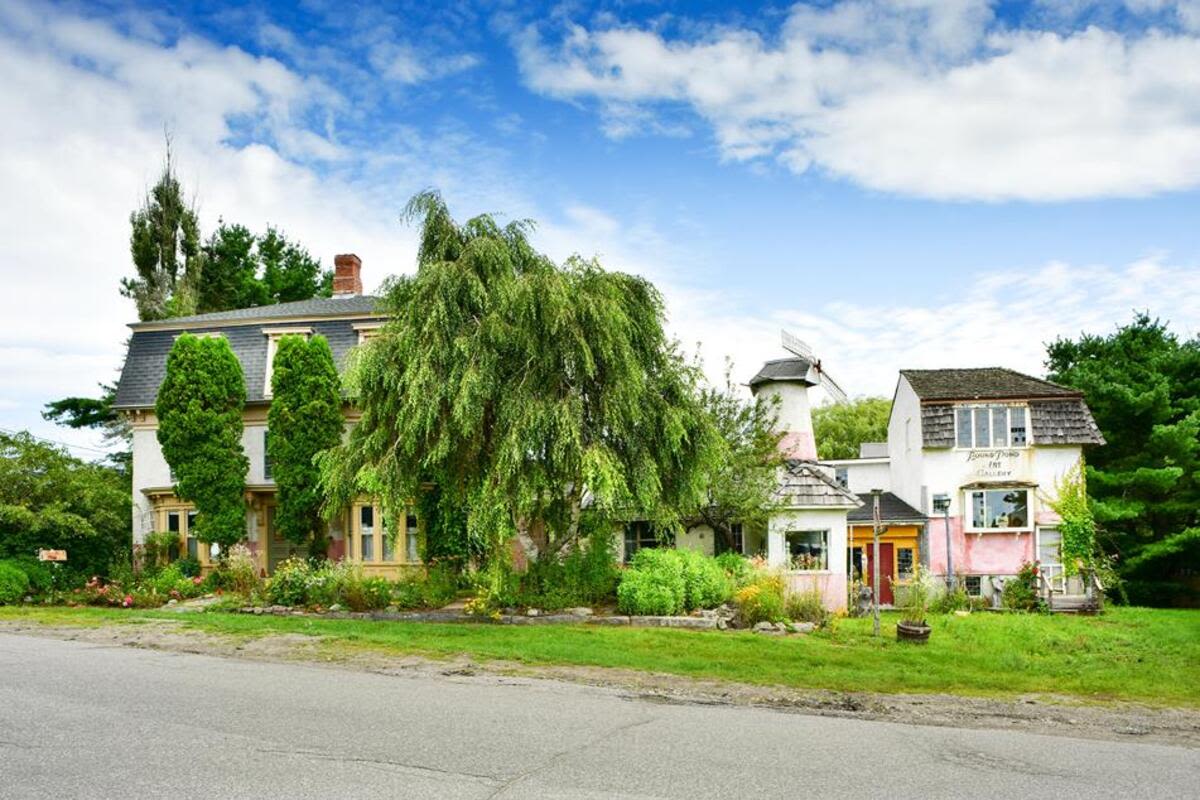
(1057, 716)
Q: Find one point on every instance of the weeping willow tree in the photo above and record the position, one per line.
(523, 389)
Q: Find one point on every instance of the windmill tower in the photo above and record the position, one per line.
(789, 379)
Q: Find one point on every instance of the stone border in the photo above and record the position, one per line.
(708, 620)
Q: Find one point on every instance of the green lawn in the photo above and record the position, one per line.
(1144, 655)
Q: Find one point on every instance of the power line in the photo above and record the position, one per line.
(57, 442)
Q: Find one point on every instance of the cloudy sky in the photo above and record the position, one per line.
(905, 183)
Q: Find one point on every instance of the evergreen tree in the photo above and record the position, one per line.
(305, 419)
(289, 272)
(229, 272)
(1143, 387)
(518, 387)
(165, 246)
(199, 411)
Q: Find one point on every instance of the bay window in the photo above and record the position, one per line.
(807, 550)
(999, 509)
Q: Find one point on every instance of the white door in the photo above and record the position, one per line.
(1049, 556)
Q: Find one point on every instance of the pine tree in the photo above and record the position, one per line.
(165, 246)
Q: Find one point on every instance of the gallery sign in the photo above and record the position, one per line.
(996, 464)
(52, 555)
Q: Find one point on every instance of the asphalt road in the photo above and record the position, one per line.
(82, 720)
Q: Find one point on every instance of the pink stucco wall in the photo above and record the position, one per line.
(832, 587)
(980, 554)
(799, 444)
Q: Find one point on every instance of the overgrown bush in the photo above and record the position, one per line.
(705, 582)
(645, 593)
(761, 600)
(42, 578)
(158, 550)
(807, 606)
(585, 576)
(14, 583)
(654, 584)
(1021, 593)
(663, 581)
(190, 567)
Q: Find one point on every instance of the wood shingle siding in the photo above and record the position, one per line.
(1063, 422)
(937, 425)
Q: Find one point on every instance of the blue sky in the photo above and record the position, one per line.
(902, 183)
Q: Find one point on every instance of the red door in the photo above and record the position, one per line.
(886, 577)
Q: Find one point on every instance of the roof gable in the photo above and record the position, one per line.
(793, 370)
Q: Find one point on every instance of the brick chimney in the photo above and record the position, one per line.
(347, 275)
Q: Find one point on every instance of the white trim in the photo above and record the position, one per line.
(991, 428)
(273, 335)
(969, 510)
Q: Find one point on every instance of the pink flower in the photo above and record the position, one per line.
(128, 601)
(196, 581)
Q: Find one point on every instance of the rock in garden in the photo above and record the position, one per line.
(532, 612)
(579, 611)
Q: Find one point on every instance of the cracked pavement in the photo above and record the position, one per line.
(82, 719)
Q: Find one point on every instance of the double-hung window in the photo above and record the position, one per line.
(367, 531)
(990, 426)
(411, 552)
(642, 534)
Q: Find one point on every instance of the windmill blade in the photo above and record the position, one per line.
(831, 386)
(796, 346)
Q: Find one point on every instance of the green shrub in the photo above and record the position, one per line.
(644, 593)
(289, 585)
(14, 583)
(1021, 593)
(705, 582)
(158, 550)
(587, 575)
(807, 606)
(761, 600)
(43, 579)
(663, 569)
(188, 566)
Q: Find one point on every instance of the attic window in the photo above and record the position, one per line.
(273, 336)
(982, 427)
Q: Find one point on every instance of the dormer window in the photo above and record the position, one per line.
(273, 336)
(981, 427)
(367, 330)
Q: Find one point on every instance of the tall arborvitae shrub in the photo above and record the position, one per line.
(305, 419)
(199, 412)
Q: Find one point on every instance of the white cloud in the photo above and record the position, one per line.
(86, 106)
(919, 98)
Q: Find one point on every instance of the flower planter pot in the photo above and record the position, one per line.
(912, 632)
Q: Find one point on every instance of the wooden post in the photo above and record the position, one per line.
(875, 557)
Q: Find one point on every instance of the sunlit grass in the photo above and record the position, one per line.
(1144, 655)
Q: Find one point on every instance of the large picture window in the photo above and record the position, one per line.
(994, 426)
(808, 550)
(1000, 509)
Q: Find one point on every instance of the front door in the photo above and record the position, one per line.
(279, 549)
(1049, 556)
(887, 573)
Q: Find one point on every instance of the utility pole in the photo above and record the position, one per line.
(878, 528)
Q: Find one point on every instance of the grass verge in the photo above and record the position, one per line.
(1149, 656)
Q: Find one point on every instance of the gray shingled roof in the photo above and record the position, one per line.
(937, 424)
(983, 383)
(146, 361)
(313, 308)
(783, 369)
(803, 484)
(891, 509)
(1063, 422)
